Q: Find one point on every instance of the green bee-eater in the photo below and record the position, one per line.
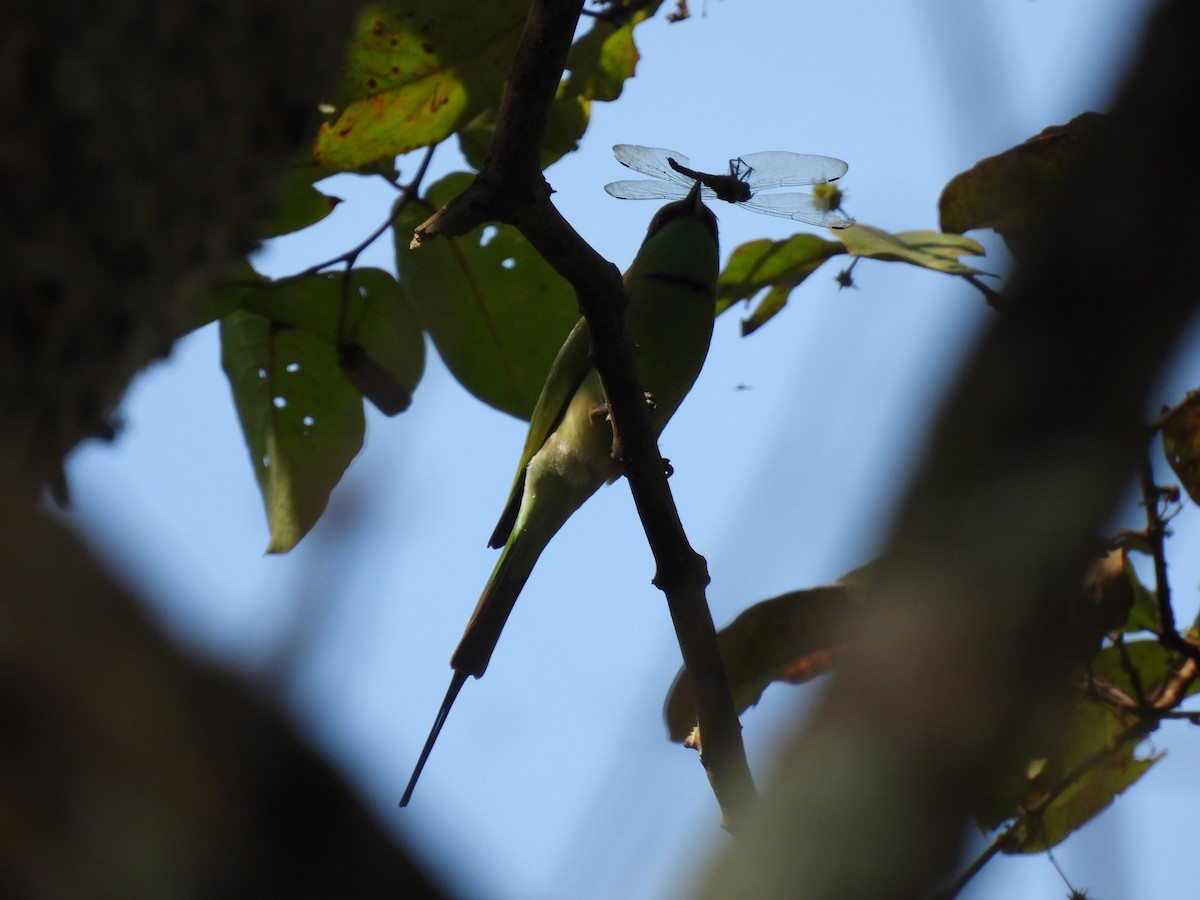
(568, 450)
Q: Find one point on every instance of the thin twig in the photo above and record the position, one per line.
(1156, 532)
(408, 191)
(995, 299)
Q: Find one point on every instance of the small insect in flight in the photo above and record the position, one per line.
(748, 176)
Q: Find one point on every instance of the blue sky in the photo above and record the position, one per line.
(553, 775)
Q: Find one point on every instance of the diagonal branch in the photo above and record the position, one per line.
(510, 188)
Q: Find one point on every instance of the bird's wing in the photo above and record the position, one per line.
(781, 168)
(570, 367)
(653, 161)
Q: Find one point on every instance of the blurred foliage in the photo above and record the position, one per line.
(302, 353)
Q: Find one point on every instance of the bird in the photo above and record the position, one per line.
(567, 455)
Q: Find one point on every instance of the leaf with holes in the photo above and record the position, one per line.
(366, 317)
(496, 311)
(415, 72)
(301, 419)
(1181, 443)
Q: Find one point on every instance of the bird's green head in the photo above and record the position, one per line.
(690, 207)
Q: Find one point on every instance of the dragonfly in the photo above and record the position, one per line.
(748, 175)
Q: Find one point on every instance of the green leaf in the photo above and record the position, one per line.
(302, 420)
(1079, 803)
(229, 297)
(776, 266)
(1088, 763)
(1150, 661)
(600, 62)
(1181, 443)
(1011, 191)
(929, 249)
(792, 638)
(415, 72)
(365, 318)
(299, 204)
(1143, 616)
(496, 311)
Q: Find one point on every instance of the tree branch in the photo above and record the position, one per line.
(510, 188)
(966, 649)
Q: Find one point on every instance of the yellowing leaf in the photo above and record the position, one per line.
(416, 71)
(791, 638)
(935, 250)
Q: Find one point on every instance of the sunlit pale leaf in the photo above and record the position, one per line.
(1011, 191)
(302, 420)
(791, 638)
(929, 249)
(497, 312)
(416, 71)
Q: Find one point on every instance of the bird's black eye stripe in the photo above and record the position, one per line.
(681, 280)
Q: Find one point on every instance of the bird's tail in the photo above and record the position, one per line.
(496, 603)
(483, 631)
(456, 684)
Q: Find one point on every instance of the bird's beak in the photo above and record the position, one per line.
(693, 198)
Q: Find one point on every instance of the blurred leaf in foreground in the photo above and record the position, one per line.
(1010, 192)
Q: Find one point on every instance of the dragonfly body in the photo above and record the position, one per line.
(729, 188)
(749, 174)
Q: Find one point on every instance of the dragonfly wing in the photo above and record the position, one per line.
(781, 168)
(653, 161)
(800, 207)
(645, 190)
